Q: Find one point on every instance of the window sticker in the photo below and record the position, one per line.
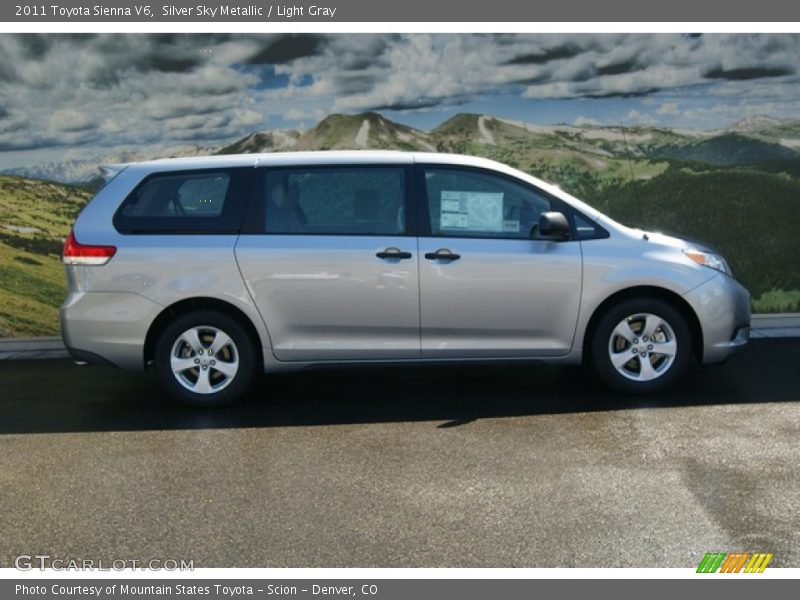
(473, 211)
(454, 220)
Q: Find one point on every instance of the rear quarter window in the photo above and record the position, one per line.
(202, 201)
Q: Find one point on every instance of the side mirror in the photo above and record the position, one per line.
(553, 226)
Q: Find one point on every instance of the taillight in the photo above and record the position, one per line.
(76, 253)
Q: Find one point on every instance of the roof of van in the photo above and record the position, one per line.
(318, 157)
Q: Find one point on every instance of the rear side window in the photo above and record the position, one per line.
(207, 201)
(340, 200)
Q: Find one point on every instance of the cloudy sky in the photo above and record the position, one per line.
(64, 96)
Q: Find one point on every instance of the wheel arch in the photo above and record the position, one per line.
(644, 291)
(189, 305)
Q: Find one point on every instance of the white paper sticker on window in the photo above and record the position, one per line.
(473, 211)
(450, 206)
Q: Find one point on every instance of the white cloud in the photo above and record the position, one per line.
(635, 117)
(296, 114)
(668, 108)
(247, 117)
(69, 120)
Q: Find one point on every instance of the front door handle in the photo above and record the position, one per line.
(442, 254)
(393, 253)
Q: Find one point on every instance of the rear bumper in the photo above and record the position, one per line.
(722, 306)
(84, 357)
(107, 327)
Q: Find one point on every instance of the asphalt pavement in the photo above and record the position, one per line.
(490, 466)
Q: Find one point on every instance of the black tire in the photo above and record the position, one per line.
(242, 350)
(601, 347)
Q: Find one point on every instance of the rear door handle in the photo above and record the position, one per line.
(442, 254)
(393, 253)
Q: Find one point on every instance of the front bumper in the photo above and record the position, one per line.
(722, 306)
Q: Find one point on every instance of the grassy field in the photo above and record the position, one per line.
(777, 301)
(35, 217)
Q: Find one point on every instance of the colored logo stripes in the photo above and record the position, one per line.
(734, 562)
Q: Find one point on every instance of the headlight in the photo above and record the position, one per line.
(709, 259)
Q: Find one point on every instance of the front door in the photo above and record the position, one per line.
(488, 286)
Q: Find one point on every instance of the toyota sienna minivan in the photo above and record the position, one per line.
(211, 270)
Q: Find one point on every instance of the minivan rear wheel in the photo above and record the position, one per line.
(205, 359)
(641, 345)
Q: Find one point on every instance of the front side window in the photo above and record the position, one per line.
(467, 203)
(340, 200)
(197, 201)
(586, 229)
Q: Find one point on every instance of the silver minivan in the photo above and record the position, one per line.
(210, 270)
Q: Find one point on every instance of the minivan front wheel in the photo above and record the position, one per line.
(205, 359)
(641, 345)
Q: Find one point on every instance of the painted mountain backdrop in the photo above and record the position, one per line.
(737, 188)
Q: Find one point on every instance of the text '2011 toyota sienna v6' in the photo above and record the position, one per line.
(210, 270)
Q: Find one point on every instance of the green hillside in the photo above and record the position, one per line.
(35, 217)
(728, 149)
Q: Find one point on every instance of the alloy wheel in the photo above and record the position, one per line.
(642, 347)
(204, 359)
